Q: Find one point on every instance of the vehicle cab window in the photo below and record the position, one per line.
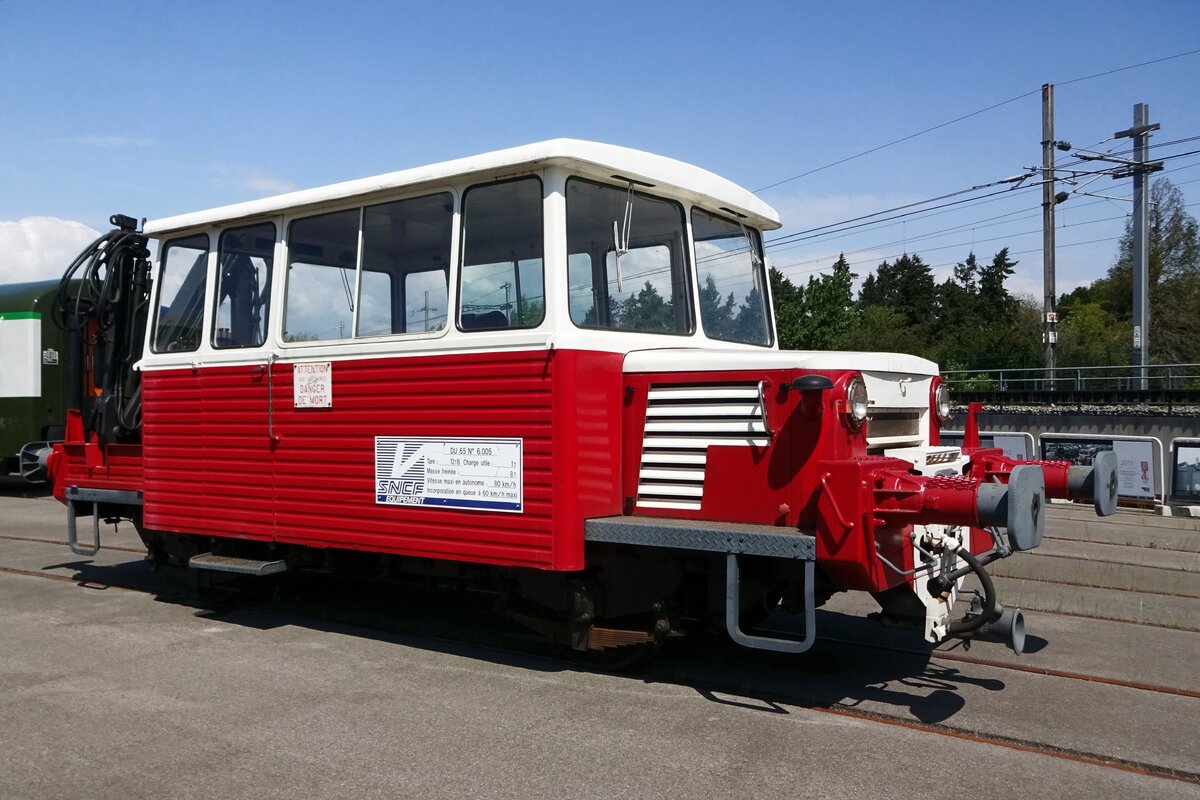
(247, 256)
(321, 266)
(626, 261)
(178, 325)
(405, 266)
(502, 283)
(733, 297)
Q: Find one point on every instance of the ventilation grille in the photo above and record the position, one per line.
(942, 455)
(891, 428)
(681, 423)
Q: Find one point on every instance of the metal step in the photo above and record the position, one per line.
(242, 566)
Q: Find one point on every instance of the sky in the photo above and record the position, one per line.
(155, 109)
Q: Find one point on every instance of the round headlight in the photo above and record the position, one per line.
(856, 401)
(941, 402)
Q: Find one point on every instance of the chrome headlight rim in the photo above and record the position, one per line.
(858, 404)
(941, 402)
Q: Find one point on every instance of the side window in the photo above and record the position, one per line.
(376, 304)
(406, 265)
(644, 285)
(179, 323)
(322, 259)
(733, 300)
(244, 286)
(425, 303)
(502, 280)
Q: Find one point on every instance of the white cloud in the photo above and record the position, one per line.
(109, 142)
(256, 180)
(39, 248)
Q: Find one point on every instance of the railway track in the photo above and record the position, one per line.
(709, 667)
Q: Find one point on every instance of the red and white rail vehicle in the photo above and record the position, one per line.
(552, 369)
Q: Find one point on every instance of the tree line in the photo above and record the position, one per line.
(972, 321)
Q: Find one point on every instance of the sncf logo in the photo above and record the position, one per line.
(402, 492)
(408, 488)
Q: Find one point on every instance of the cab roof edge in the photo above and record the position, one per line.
(629, 163)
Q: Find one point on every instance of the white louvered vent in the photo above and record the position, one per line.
(681, 422)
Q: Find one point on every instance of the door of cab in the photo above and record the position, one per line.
(237, 390)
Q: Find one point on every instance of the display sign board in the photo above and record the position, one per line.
(1186, 471)
(1135, 468)
(312, 385)
(1077, 451)
(484, 474)
(1135, 461)
(1014, 445)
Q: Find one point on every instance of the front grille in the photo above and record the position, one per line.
(681, 423)
(891, 428)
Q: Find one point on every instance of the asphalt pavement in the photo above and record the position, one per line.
(114, 687)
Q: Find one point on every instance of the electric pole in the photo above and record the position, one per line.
(1140, 170)
(1050, 332)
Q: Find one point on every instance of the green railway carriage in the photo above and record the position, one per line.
(31, 377)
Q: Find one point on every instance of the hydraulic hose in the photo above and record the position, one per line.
(102, 304)
(969, 624)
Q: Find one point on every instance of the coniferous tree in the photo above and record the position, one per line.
(789, 299)
(905, 286)
(829, 309)
(647, 311)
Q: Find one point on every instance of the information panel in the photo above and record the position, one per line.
(1012, 445)
(1135, 471)
(485, 474)
(20, 354)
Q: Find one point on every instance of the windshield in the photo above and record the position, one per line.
(733, 296)
(627, 262)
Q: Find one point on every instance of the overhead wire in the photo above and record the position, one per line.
(788, 271)
(984, 110)
(858, 224)
(862, 221)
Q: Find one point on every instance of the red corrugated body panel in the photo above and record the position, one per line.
(207, 451)
(116, 466)
(589, 395)
(212, 467)
(325, 459)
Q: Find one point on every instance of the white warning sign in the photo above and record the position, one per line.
(484, 474)
(312, 385)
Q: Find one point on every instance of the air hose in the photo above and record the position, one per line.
(988, 614)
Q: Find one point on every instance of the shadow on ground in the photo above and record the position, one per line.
(837, 672)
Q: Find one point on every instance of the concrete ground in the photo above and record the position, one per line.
(111, 687)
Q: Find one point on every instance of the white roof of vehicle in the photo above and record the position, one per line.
(700, 184)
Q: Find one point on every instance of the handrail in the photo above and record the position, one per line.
(1170, 377)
